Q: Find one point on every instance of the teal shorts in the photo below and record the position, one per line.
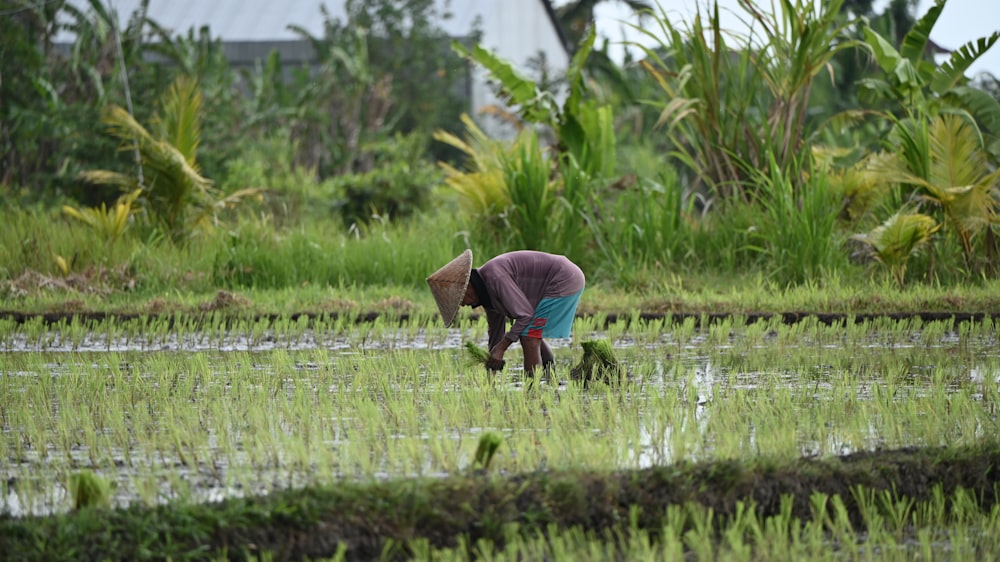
(553, 317)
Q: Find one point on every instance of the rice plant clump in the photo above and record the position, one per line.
(598, 363)
(488, 445)
(477, 355)
(87, 489)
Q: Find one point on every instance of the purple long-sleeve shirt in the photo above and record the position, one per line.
(518, 281)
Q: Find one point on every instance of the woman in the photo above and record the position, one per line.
(539, 292)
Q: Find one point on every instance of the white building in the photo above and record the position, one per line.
(516, 30)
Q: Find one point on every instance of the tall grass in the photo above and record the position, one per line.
(252, 255)
(646, 246)
(798, 235)
(651, 224)
(380, 253)
(733, 104)
(32, 239)
(532, 200)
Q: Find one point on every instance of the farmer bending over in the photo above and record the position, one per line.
(538, 291)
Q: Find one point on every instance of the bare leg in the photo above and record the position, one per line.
(532, 348)
(548, 359)
(547, 356)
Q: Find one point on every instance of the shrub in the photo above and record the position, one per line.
(398, 185)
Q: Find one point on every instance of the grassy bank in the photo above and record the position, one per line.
(746, 296)
(746, 510)
(51, 264)
(708, 295)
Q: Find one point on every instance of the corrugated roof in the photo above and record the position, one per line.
(269, 20)
(234, 20)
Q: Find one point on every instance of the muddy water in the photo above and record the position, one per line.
(56, 342)
(707, 368)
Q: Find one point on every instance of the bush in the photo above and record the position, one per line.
(291, 192)
(398, 184)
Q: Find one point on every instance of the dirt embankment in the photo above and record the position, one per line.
(313, 523)
(57, 317)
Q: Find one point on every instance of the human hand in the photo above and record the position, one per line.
(496, 362)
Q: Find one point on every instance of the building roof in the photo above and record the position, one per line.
(270, 20)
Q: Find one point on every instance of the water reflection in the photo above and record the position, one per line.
(819, 393)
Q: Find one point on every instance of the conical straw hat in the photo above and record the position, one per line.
(448, 285)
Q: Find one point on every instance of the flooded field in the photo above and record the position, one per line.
(208, 411)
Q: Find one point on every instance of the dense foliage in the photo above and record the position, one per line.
(828, 143)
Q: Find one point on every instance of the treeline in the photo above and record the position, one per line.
(65, 64)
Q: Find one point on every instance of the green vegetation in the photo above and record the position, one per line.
(855, 508)
(598, 363)
(791, 246)
(325, 423)
(89, 490)
(748, 162)
(477, 355)
(488, 445)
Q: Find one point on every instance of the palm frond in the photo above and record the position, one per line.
(181, 118)
(956, 154)
(107, 177)
(898, 239)
(985, 109)
(481, 186)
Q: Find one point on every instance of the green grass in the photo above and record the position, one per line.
(318, 266)
(861, 507)
(661, 293)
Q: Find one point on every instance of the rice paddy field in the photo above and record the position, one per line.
(181, 411)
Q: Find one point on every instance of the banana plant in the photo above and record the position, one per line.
(898, 239)
(576, 16)
(515, 190)
(582, 125)
(925, 88)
